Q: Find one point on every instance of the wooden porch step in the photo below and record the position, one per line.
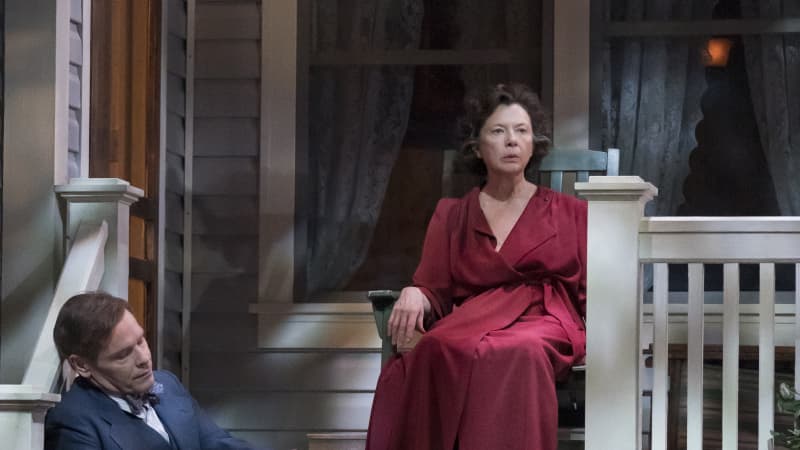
(568, 438)
(337, 441)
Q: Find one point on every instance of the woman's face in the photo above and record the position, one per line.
(505, 143)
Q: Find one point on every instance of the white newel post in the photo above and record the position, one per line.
(94, 200)
(22, 411)
(613, 354)
(102, 205)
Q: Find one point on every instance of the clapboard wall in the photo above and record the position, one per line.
(225, 207)
(271, 396)
(225, 181)
(175, 185)
(77, 33)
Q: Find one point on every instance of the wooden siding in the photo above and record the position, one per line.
(272, 397)
(213, 137)
(226, 98)
(225, 205)
(175, 182)
(226, 215)
(288, 372)
(229, 20)
(211, 292)
(284, 411)
(76, 58)
(231, 176)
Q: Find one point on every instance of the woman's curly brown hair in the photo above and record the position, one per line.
(479, 105)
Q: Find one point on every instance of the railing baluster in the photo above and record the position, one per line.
(766, 353)
(730, 357)
(660, 354)
(556, 180)
(694, 384)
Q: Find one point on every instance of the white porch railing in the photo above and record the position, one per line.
(82, 272)
(620, 240)
(97, 217)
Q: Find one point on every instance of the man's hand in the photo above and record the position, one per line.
(408, 313)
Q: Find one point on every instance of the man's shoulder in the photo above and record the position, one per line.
(165, 376)
(168, 385)
(80, 401)
(170, 382)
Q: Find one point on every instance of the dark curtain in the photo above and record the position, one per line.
(650, 98)
(773, 70)
(519, 28)
(358, 118)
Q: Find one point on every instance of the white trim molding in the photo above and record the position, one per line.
(277, 166)
(106, 199)
(61, 98)
(86, 84)
(22, 411)
(317, 327)
(188, 195)
(571, 69)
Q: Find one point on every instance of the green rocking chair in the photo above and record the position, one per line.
(553, 167)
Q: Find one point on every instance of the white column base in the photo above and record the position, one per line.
(22, 411)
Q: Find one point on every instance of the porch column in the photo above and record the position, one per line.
(22, 411)
(94, 200)
(616, 207)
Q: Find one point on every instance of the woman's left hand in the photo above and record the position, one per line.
(408, 313)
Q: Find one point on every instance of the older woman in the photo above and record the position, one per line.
(501, 287)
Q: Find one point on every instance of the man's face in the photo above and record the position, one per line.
(124, 365)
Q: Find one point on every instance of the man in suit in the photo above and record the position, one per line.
(117, 401)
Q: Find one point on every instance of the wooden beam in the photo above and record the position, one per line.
(119, 85)
(141, 269)
(125, 134)
(277, 153)
(145, 208)
(100, 133)
(686, 28)
(416, 57)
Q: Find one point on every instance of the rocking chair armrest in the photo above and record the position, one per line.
(381, 299)
(382, 303)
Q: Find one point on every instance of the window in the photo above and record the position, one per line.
(716, 137)
(383, 84)
(701, 99)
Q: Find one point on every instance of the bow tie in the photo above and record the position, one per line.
(137, 402)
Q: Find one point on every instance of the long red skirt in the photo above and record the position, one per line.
(492, 391)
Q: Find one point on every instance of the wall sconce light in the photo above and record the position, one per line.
(716, 51)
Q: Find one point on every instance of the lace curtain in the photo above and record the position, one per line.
(650, 98)
(773, 70)
(358, 117)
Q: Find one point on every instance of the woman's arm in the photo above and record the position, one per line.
(408, 313)
(430, 293)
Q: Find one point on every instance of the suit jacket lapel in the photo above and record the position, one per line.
(129, 432)
(130, 435)
(176, 413)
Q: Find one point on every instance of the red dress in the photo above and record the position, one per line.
(483, 376)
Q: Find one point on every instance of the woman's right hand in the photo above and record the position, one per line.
(408, 313)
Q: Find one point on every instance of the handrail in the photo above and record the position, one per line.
(83, 270)
(96, 225)
(620, 240)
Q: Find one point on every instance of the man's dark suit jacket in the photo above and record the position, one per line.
(87, 419)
